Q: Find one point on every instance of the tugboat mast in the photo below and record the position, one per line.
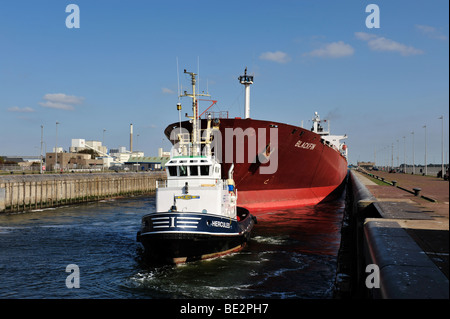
(195, 125)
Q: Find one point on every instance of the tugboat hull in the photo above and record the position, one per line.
(183, 237)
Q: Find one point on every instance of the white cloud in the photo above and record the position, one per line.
(60, 106)
(278, 56)
(167, 91)
(20, 110)
(382, 44)
(431, 32)
(333, 50)
(365, 36)
(61, 101)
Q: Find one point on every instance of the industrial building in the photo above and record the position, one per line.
(79, 144)
(67, 161)
(149, 163)
(366, 165)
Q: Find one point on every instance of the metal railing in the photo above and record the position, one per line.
(164, 184)
(216, 115)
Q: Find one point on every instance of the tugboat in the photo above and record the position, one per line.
(196, 215)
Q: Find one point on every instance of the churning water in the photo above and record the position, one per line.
(292, 254)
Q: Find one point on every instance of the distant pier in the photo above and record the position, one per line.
(28, 192)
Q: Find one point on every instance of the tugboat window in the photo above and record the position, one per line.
(172, 170)
(193, 170)
(183, 170)
(204, 170)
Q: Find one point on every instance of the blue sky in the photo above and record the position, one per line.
(375, 85)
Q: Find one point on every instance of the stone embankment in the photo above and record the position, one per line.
(28, 192)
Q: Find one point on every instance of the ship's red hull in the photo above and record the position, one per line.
(303, 170)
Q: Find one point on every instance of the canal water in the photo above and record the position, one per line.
(292, 254)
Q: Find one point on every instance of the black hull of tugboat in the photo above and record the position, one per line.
(182, 248)
(174, 238)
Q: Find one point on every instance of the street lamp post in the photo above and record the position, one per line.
(425, 127)
(392, 157)
(374, 156)
(398, 154)
(56, 146)
(404, 153)
(442, 165)
(103, 144)
(414, 166)
(42, 135)
(103, 139)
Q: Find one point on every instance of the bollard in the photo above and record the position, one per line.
(417, 191)
(394, 183)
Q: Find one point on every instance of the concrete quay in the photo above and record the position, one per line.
(404, 230)
(27, 192)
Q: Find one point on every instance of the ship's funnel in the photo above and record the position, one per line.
(246, 80)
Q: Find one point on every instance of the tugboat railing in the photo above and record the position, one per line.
(225, 184)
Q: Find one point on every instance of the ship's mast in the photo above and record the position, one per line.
(195, 125)
(316, 122)
(317, 128)
(246, 80)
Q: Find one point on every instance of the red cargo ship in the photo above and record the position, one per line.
(275, 165)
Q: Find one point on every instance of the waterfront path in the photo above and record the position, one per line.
(424, 217)
(431, 188)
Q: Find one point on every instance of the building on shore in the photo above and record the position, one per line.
(148, 163)
(366, 165)
(79, 144)
(67, 161)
